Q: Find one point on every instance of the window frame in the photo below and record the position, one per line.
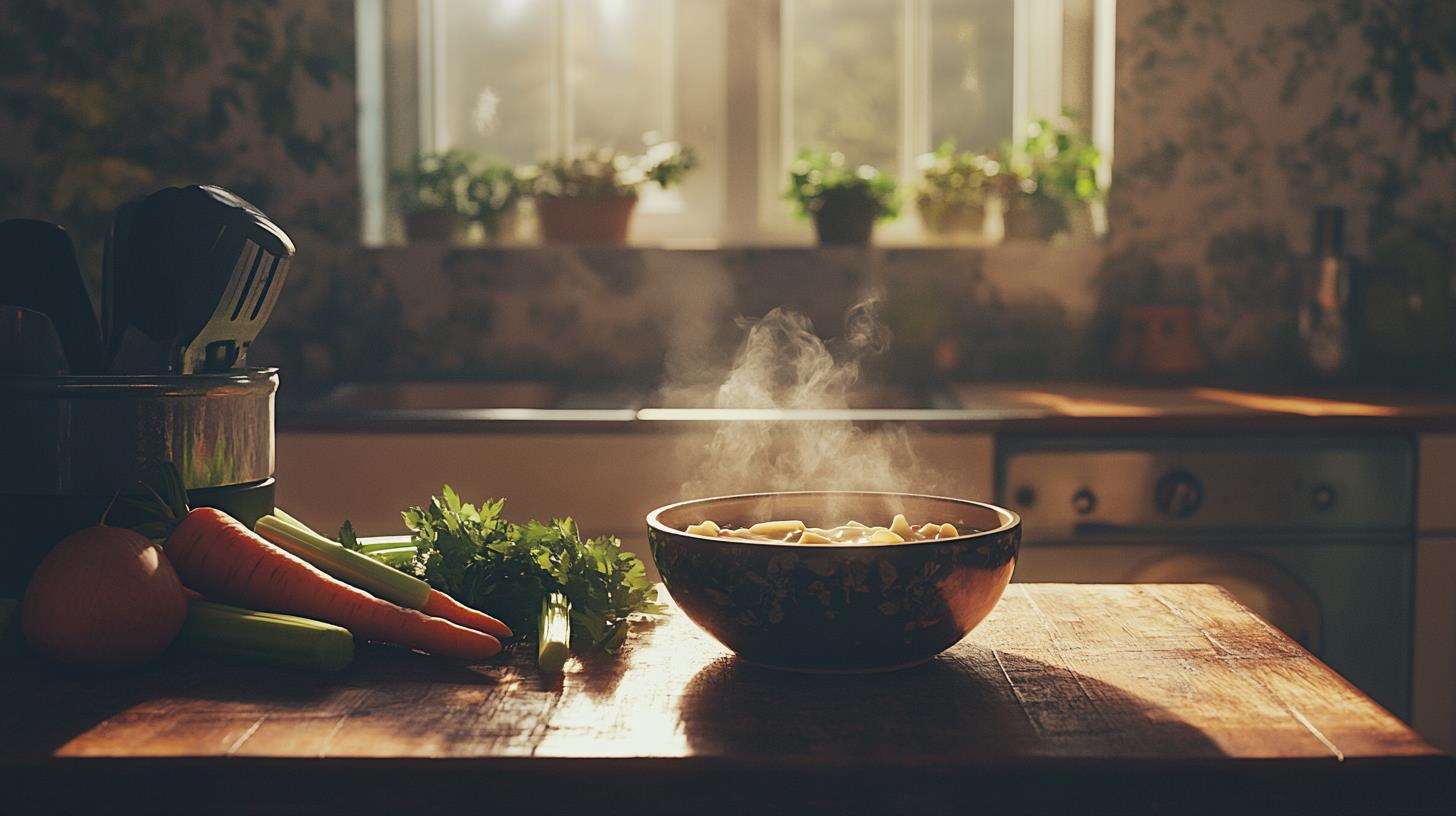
(733, 104)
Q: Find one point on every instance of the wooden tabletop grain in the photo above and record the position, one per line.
(1069, 699)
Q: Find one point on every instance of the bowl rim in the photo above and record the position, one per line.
(1010, 519)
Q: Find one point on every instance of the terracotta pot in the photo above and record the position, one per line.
(942, 220)
(845, 221)
(434, 226)
(1025, 218)
(1080, 223)
(1158, 341)
(568, 220)
(506, 228)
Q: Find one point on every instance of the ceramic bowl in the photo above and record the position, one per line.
(836, 607)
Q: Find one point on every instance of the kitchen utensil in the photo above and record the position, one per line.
(29, 344)
(38, 270)
(835, 607)
(196, 270)
(136, 309)
(236, 280)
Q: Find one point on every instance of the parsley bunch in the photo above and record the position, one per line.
(475, 555)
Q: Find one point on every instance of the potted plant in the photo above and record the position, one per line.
(955, 189)
(1028, 212)
(844, 202)
(492, 198)
(1058, 167)
(589, 197)
(432, 193)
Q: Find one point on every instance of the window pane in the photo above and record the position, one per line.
(494, 81)
(970, 72)
(1077, 58)
(621, 70)
(844, 56)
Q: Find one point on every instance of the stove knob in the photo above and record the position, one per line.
(1178, 494)
(1084, 501)
(1322, 497)
(1025, 496)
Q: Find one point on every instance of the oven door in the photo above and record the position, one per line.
(1347, 599)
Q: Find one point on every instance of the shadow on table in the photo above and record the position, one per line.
(952, 735)
(962, 705)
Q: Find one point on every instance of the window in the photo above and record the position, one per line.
(745, 82)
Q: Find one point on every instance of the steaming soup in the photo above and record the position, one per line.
(850, 532)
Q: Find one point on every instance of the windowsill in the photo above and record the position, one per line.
(903, 245)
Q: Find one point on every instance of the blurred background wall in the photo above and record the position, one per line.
(1232, 121)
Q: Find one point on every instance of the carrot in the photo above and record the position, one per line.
(218, 556)
(443, 606)
(372, 575)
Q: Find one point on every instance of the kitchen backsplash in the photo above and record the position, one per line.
(1233, 121)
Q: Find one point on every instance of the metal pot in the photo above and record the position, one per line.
(73, 443)
(97, 434)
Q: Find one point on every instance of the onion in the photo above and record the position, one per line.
(103, 598)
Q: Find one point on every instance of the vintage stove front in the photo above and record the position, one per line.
(1316, 534)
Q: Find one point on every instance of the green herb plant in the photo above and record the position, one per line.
(607, 173)
(951, 178)
(476, 555)
(435, 182)
(1059, 159)
(818, 178)
(463, 184)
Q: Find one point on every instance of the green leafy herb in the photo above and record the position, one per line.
(480, 558)
(349, 538)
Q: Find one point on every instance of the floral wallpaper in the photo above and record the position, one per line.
(1234, 119)
(105, 100)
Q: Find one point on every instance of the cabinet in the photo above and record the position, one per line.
(1433, 682)
(1434, 668)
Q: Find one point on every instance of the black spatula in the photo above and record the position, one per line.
(196, 271)
(231, 273)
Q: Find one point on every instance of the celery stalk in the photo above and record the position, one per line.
(348, 566)
(373, 543)
(278, 511)
(554, 641)
(366, 543)
(269, 638)
(395, 557)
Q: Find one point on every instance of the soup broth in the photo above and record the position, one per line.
(899, 531)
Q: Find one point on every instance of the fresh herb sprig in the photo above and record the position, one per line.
(482, 559)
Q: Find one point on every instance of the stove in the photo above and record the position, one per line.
(1316, 533)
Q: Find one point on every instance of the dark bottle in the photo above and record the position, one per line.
(1327, 303)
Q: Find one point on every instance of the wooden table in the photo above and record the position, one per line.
(1068, 699)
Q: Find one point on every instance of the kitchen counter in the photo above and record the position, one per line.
(1067, 699)
(513, 407)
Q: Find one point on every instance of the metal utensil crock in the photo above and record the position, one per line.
(69, 444)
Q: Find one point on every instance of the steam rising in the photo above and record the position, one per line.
(784, 366)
